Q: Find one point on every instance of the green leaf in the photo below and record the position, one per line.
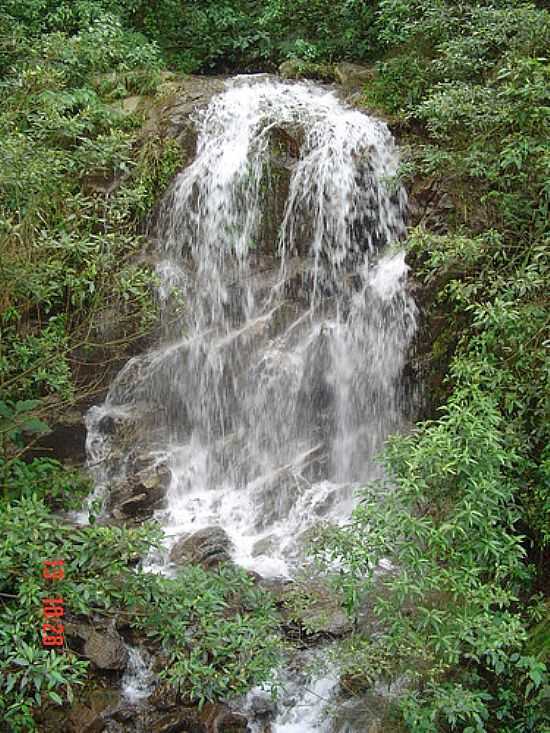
(34, 425)
(55, 697)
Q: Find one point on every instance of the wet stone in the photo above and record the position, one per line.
(184, 720)
(207, 547)
(352, 76)
(107, 651)
(140, 495)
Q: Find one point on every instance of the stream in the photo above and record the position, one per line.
(286, 324)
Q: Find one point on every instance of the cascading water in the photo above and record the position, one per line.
(279, 377)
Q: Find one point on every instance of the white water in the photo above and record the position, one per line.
(138, 680)
(304, 702)
(272, 392)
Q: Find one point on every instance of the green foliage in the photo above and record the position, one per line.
(242, 34)
(75, 189)
(448, 524)
(464, 518)
(16, 418)
(216, 628)
(218, 631)
(58, 486)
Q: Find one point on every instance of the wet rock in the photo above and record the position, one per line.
(352, 76)
(299, 69)
(287, 141)
(208, 547)
(312, 611)
(107, 651)
(278, 587)
(219, 719)
(79, 631)
(66, 441)
(124, 713)
(163, 697)
(262, 704)
(184, 720)
(89, 715)
(277, 497)
(355, 684)
(264, 546)
(84, 720)
(316, 397)
(140, 495)
(184, 97)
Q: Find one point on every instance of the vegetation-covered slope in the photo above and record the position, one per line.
(467, 522)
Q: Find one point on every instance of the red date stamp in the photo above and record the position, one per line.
(53, 608)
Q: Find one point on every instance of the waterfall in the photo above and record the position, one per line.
(285, 323)
(137, 682)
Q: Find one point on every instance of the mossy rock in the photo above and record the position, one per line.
(298, 69)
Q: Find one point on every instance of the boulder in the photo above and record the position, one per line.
(312, 610)
(89, 715)
(219, 719)
(138, 496)
(106, 650)
(184, 720)
(353, 76)
(299, 69)
(207, 547)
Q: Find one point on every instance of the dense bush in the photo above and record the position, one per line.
(200, 619)
(465, 518)
(66, 237)
(232, 34)
(465, 514)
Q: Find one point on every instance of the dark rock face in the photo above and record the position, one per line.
(430, 205)
(218, 719)
(208, 547)
(66, 441)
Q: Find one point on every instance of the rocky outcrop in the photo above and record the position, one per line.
(106, 651)
(90, 716)
(136, 498)
(353, 76)
(299, 69)
(207, 547)
(312, 611)
(100, 643)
